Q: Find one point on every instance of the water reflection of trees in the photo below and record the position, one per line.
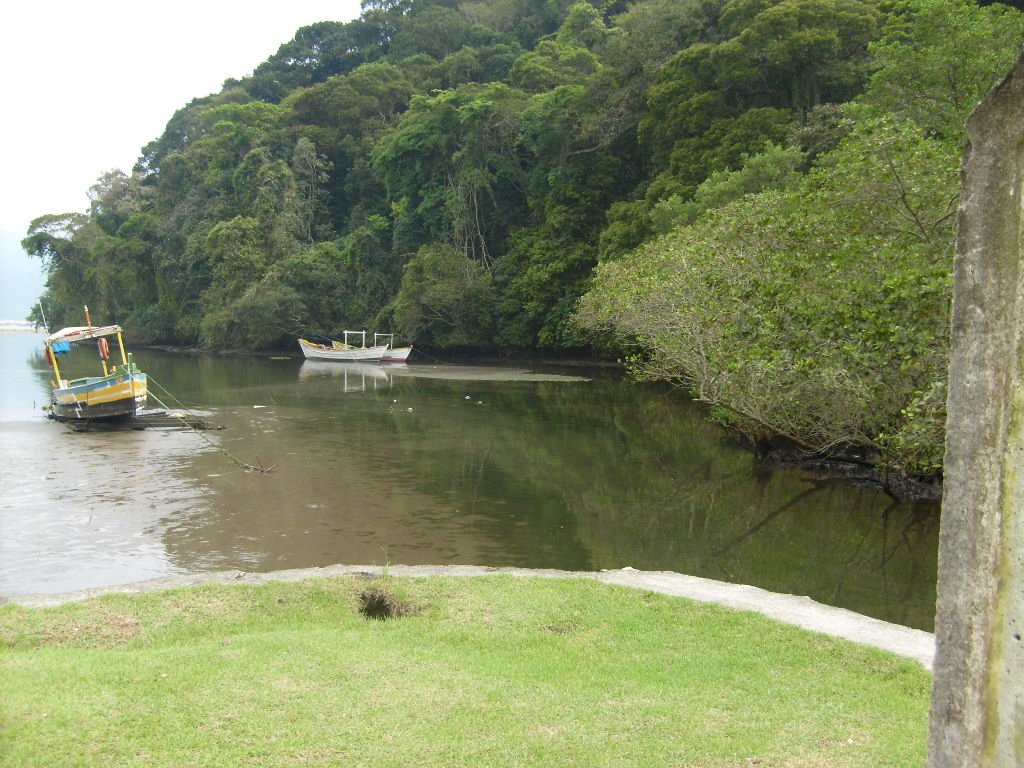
(598, 475)
(647, 482)
(710, 510)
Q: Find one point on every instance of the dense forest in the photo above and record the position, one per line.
(753, 198)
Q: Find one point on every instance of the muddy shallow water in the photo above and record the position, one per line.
(433, 464)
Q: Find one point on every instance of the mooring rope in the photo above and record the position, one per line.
(244, 465)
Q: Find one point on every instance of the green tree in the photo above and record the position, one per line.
(315, 54)
(938, 58)
(445, 299)
(550, 64)
(311, 171)
(819, 314)
(539, 282)
(327, 279)
(789, 54)
(53, 240)
(453, 158)
(774, 168)
(525, 20)
(477, 64)
(813, 51)
(437, 31)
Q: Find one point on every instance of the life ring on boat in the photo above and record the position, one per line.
(104, 349)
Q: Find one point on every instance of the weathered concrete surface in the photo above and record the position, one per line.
(977, 716)
(791, 609)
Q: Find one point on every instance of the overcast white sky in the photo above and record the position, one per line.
(86, 85)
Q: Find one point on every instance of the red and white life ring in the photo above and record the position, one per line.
(104, 349)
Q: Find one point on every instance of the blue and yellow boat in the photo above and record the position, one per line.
(119, 394)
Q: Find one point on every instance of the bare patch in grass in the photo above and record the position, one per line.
(380, 603)
(563, 626)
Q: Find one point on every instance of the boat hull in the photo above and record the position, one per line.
(99, 398)
(396, 355)
(341, 354)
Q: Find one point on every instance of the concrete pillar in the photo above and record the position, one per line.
(977, 713)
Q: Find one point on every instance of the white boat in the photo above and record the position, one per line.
(344, 351)
(393, 354)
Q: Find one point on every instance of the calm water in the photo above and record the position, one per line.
(432, 464)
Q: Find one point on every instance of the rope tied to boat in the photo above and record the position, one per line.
(258, 467)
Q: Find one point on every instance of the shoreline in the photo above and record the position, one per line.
(800, 611)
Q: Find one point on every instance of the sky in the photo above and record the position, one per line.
(86, 85)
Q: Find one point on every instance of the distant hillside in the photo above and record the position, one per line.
(22, 278)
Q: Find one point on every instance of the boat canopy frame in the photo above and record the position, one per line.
(362, 339)
(80, 333)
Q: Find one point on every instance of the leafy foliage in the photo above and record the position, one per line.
(445, 298)
(923, 73)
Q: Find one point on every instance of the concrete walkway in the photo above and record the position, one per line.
(791, 609)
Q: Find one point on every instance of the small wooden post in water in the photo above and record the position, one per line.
(977, 714)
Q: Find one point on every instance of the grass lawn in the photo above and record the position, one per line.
(489, 671)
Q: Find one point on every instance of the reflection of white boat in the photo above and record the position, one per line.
(311, 369)
(354, 375)
(343, 351)
(393, 354)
